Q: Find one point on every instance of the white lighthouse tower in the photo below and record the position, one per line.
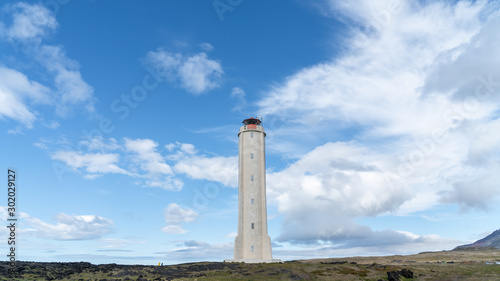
(252, 244)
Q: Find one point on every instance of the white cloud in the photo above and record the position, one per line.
(149, 159)
(175, 216)
(93, 163)
(168, 183)
(407, 93)
(320, 194)
(140, 158)
(100, 144)
(174, 229)
(72, 90)
(196, 73)
(170, 146)
(28, 22)
(474, 192)
(188, 148)
(68, 227)
(16, 91)
(218, 169)
(158, 172)
(207, 47)
(183, 150)
(237, 92)
(405, 243)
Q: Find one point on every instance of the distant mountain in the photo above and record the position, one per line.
(490, 241)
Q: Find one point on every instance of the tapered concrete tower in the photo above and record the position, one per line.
(252, 244)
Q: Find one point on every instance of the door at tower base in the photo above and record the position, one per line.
(252, 244)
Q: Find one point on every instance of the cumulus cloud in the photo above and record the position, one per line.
(471, 193)
(320, 194)
(93, 163)
(176, 216)
(218, 169)
(149, 159)
(70, 227)
(195, 73)
(416, 91)
(158, 172)
(142, 160)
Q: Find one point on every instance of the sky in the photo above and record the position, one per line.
(121, 120)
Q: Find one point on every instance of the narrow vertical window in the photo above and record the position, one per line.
(251, 248)
(251, 134)
(252, 201)
(253, 226)
(251, 155)
(251, 177)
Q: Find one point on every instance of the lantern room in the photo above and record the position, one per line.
(252, 123)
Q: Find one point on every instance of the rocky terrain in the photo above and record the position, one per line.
(483, 264)
(490, 241)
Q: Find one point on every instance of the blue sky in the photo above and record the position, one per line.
(121, 118)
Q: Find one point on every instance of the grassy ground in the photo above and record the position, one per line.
(452, 265)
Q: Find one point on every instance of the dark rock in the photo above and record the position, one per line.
(335, 262)
(406, 273)
(295, 277)
(393, 276)
(285, 271)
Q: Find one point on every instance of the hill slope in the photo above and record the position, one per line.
(490, 241)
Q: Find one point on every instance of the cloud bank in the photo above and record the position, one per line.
(416, 91)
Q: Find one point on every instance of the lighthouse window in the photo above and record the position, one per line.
(251, 155)
(252, 226)
(251, 249)
(251, 134)
(251, 177)
(252, 201)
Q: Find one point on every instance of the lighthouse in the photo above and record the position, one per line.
(252, 244)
